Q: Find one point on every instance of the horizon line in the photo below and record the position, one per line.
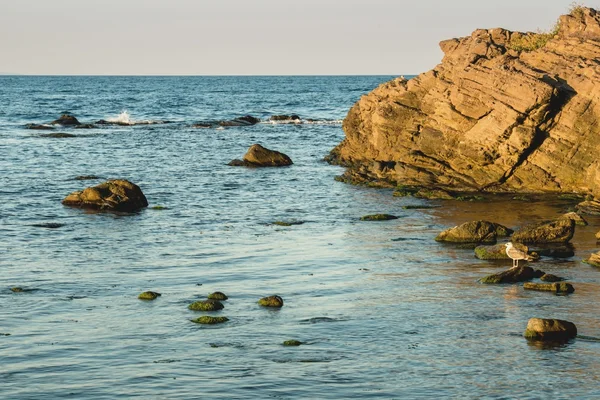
(194, 75)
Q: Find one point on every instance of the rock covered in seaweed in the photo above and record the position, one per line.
(113, 195)
(208, 320)
(271, 301)
(474, 232)
(550, 329)
(218, 296)
(498, 252)
(513, 275)
(206, 305)
(378, 217)
(556, 287)
(503, 111)
(259, 156)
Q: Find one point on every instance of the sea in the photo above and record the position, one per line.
(382, 310)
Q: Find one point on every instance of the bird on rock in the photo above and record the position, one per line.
(516, 254)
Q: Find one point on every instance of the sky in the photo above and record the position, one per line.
(249, 37)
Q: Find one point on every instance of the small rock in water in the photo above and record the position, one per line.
(378, 217)
(292, 343)
(66, 120)
(474, 232)
(292, 117)
(551, 278)
(148, 295)
(591, 207)
(208, 320)
(578, 219)
(218, 296)
(594, 259)
(513, 275)
(433, 194)
(17, 289)
(86, 177)
(206, 305)
(556, 287)
(259, 156)
(550, 329)
(39, 127)
(159, 208)
(271, 301)
(558, 231)
(58, 135)
(498, 252)
(49, 225)
(287, 223)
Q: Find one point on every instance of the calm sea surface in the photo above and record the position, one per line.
(384, 310)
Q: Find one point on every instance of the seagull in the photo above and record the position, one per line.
(516, 254)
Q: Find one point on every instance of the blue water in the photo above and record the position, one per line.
(384, 311)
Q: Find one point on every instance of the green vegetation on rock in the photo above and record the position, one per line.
(17, 289)
(292, 343)
(218, 296)
(208, 320)
(378, 217)
(148, 295)
(206, 305)
(271, 301)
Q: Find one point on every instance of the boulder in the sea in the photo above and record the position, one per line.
(218, 296)
(474, 232)
(590, 207)
(556, 250)
(271, 301)
(58, 135)
(503, 111)
(578, 219)
(246, 120)
(206, 305)
(149, 295)
(287, 223)
(558, 231)
(292, 343)
(378, 217)
(498, 252)
(556, 287)
(259, 156)
(594, 259)
(66, 120)
(551, 278)
(513, 275)
(113, 195)
(550, 329)
(208, 320)
(39, 127)
(85, 126)
(284, 117)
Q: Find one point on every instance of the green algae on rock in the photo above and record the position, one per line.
(292, 343)
(17, 289)
(287, 223)
(218, 296)
(551, 278)
(556, 287)
(271, 301)
(208, 320)
(513, 275)
(378, 217)
(206, 305)
(498, 252)
(149, 295)
(550, 329)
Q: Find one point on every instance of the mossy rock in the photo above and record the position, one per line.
(17, 289)
(419, 207)
(434, 194)
(571, 197)
(378, 217)
(556, 287)
(578, 219)
(470, 198)
(551, 278)
(557, 231)
(521, 198)
(287, 223)
(158, 208)
(148, 295)
(208, 320)
(218, 296)
(498, 252)
(513, 275)
(271, 301)
(474, 232)
(206, 305)
(292, 343)
(404, 191)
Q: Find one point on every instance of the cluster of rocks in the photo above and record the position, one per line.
(248, 120)
(70, 121)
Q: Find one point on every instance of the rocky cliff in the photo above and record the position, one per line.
(504, 111)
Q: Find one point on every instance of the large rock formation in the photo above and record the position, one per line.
(504, 111)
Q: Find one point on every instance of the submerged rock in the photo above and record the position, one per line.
(39, 127)
(208, 320)
(502, 111)
(287, 223)
(556, 251)
(113, 195)
(206, 305)
(550, 329)
(558, 231)
(66, 120)
(279, 118)
(58, 135)
(218, 296)
(148, 295)
(246, 120)
(498, 252)
(378, 217)
(513, 275)
(17, 289)
(271, 301)
(86, 178)
(49, 225)
(259, 156)
(292, 343)
(556, 287)
(474, 232)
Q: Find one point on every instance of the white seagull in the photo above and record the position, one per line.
(516, 254)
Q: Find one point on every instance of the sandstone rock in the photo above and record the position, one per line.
(550, 329)
(597, 235)
(578, 219)
(378, 217)
(258, 156)
(206, 305)
(66, 120)
(149, 295)
(218, 296)
(498, 252)
(474, 232)
(556, 287)
(113, 195)
(504, 111)
(208, 320)
(594, 259)
(590, 207)
(271, 301)
(433, 194)
(559, 231)
(513, 275)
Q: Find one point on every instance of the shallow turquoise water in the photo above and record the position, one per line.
(385, 311)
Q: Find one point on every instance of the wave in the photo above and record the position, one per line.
(305, 122)
(124, 119)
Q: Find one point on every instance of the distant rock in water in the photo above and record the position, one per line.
(271, 301)
(474, 232)
(39, 127)
(550, 329)
(378, 217)
(86, 177)
(258, 156)
(58, 135)
(246, 120)
(66, 120)
(49, 225)
(285, 118)
(149, 295)
(503, 111)
(113, 195)
(513, 275)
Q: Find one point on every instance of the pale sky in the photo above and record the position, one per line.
(249, 37)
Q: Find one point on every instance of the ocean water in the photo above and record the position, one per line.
(383, 310)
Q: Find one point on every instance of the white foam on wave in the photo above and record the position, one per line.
(122, 118)
(302, 121)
